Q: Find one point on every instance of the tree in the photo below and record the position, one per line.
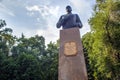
(33, 45)
(28, 67)
(49, 63)
(29, 59)
(88, 41)
(103, 42)
(6, 43)
(6, 38)
(2, 23)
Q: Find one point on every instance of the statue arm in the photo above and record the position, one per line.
(60, 22)
(79, 23)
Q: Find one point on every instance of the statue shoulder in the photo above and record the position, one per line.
(76, 14)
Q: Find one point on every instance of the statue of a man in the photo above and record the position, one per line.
(69, 20)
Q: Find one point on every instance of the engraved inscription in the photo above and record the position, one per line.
(70, 48)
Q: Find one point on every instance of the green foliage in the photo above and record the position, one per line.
(102, 44)
(2, 23)
(34, 45)
(28, 67)
(6, 38)
(26, 58)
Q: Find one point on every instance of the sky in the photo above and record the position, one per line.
(39, 17)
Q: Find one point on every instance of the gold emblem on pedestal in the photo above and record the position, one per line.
(70, 48)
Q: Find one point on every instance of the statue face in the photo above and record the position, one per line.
(68, 9)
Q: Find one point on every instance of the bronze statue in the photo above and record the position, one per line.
(69, 20)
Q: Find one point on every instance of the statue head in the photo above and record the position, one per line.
(68, 9)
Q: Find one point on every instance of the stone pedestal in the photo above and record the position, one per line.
(71, 58)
